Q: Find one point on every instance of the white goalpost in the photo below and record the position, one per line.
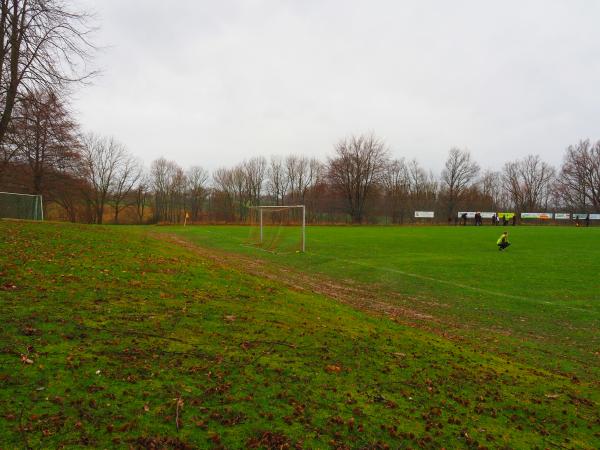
(270, 221)
(21, 206)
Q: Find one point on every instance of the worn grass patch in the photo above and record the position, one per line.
(111, 337)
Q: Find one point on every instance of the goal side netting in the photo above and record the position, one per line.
(278, 229)
(21, 206)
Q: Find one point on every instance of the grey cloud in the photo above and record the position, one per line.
(212, 82)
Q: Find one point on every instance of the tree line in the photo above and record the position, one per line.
(94, 179)
(45, 50)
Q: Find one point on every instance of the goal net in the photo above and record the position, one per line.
(21, 206)
(279, 229)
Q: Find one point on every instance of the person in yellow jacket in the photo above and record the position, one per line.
(503, 241)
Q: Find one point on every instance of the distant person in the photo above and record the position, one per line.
(503, 241)
(577, 222)
(494, 219)
(478, 222)
(504, 220)
(464, 218)
(587, 220)
(514, 220)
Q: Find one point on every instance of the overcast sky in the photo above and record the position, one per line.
(211, 82)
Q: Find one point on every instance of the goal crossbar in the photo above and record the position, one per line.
(16, 193)
(261, 208)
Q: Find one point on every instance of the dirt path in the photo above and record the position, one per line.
(363, 297)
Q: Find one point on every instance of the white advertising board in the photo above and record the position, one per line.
(544, 216)
(562, 216)
(471, 214)
(424, 214)
(582, 216)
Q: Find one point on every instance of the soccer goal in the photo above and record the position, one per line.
(278, 228)
(21, 206)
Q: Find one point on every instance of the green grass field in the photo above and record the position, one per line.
(538, 301)
(131, 337)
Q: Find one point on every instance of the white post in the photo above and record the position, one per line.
(41, 207)
(261, 225)
(303, 229)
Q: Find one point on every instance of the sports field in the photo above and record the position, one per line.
(165, 337)
(538, 300)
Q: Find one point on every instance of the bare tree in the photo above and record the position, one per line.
(490, 187)
(528, 182)
(235, 189)
(168, 183)
(255, 171)
(225, 191)
(357, 166)
(71, 192)
(458, 174)
(578, 185)
(45, 137)
(102, 159)
(423, 186)
(417, 177)
(160, 173)
(177, 195)
(239, 182)
(127, 175)
(43, 45)
(197, 178)
(277, 180)
(396, 184)
(302, 174)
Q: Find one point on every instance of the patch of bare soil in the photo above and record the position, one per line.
(363, 297)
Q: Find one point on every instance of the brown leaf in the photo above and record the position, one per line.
(332, 368)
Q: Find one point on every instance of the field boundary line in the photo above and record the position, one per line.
(452, 283)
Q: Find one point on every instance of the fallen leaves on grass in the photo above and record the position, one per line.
(333, 368)
(161, 443)
(272, 440)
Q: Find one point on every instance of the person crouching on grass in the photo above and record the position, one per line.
(503, 241)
